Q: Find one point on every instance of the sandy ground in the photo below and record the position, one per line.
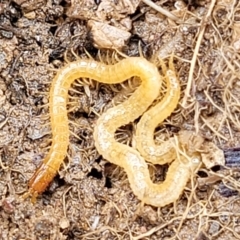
(91, 198)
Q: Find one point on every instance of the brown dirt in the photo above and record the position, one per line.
(91, 198)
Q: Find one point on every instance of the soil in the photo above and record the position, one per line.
(91, 198)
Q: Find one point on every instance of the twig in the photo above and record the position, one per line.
(161, 10)
(196, 50)
(155, 229)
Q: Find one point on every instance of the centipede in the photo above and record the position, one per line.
(132, 160)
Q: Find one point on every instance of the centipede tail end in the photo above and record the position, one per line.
(40, 181)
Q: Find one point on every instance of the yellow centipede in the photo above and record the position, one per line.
(115, 152)
(149, 89)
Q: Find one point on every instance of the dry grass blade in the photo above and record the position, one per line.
(204, 23)
(161, 10)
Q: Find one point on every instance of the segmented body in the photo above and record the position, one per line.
(179, 172)
(151, 82)
(164, 153)
(115, 152)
